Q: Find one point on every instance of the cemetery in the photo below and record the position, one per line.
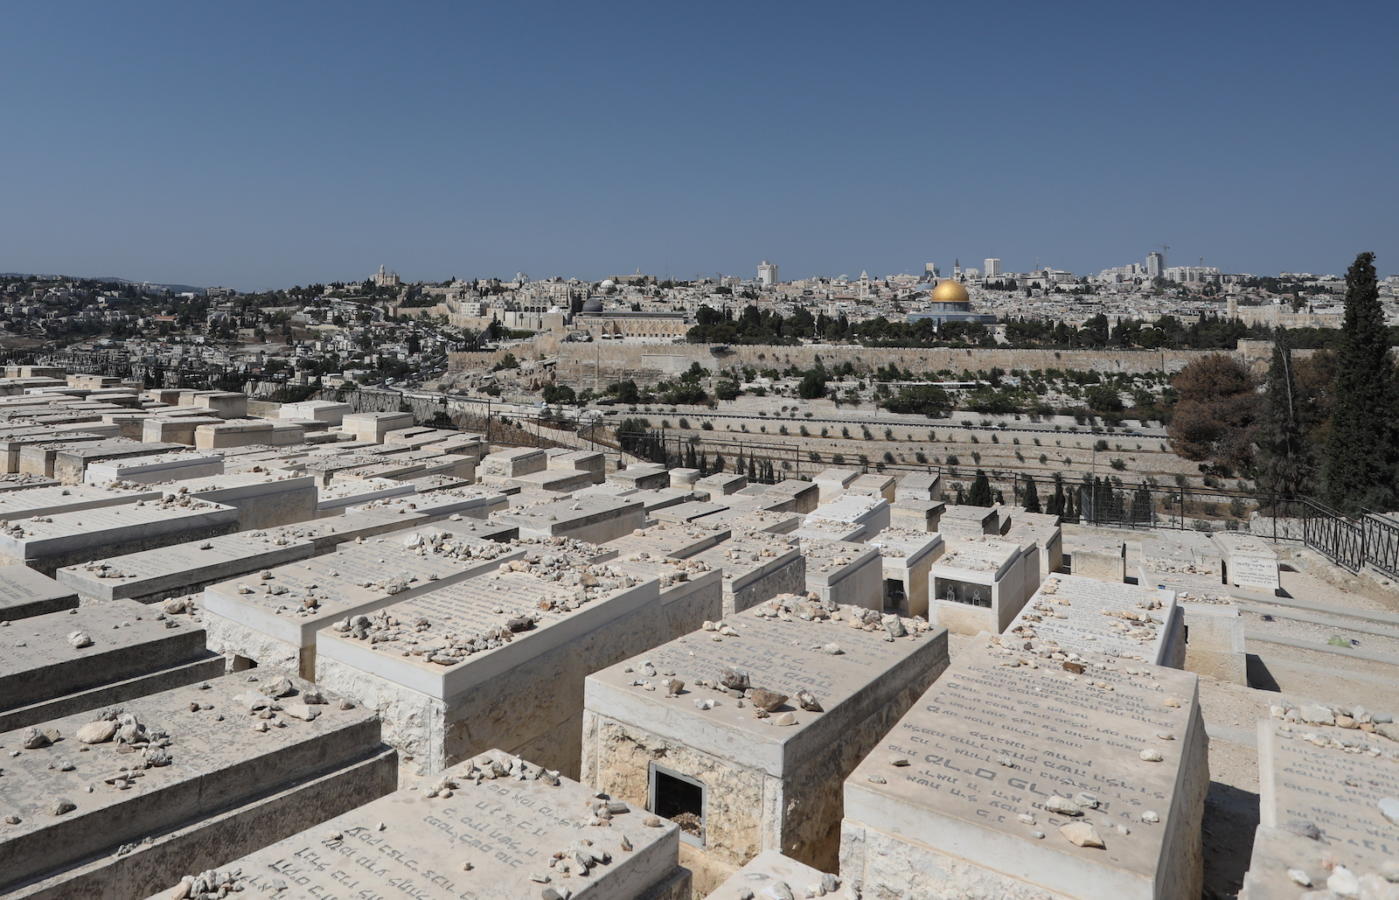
(298, 649)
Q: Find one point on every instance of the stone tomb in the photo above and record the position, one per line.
(688, 511)
(756, 567)
(1341, 782)
(158, 467)
(813, 529)
(981, 583)
(372, 426)
(495, 661)
(772, 875)
(672, 539)
(1013, 778)
(25, 593)
(919, 486)
(263, 499)
(64, 662)
(907, 558)
(1085, 616)
(1044, 530)
(721, 484)
(844, 573)
(1100, 557)
(691, 592)
(342, 494)
(1181, 552)
(753, 520)
(969, 521)
(151, 575)
(642, 477)
(70, 464)
(831, 483)
(875, 485)
(489, 827)
(184, 785)
(512, 463)
(51, 542)
(469, 502)
(272, 620)
(56, 499)
(33, 454)
(869, 512)
(793, 495)
(593, 519)
(1249, 562)
(744, 740)
(919, 515)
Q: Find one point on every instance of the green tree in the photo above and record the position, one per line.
(1031, 499)
(980, 493)
(1362, 460)
(1284, 456)
(812, 385)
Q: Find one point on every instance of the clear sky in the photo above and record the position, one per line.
(264, 144)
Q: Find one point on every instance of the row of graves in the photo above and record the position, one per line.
(647, 684)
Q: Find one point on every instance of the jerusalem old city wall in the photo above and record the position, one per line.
(652, 361)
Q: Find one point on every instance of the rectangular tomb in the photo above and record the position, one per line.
(844, 573)
(1249, 562)
(70, 465)
(51, 542)
(263, 499)
(1007, 780)
(64, 662)
(192, 778)
(1085, 616)
(907, 558)
(494, 661)
(1339, 781)
(831, 483)
(962, 521)
(594, 519)
(793, 495)
(25, 592)
(56, 499)
(272, 620)
(756, 567)
(743, 741)
(919, 515)
(1181, 552)
(671, 539)
(1096, 556)
(875, 485)
(869, 512)
(641, 477)
(922, 486)
(1044, 530)
(981, 584)
(151, 575)
(495, 826)
(157, 467)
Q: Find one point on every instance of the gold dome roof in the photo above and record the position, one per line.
(949, 291)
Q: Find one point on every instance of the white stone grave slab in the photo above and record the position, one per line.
(1098, 556)
(962, 521)
(769, 778)
(906, 559)
(922, 486)
(756, 567)
(272, 619)
(48, 543)
(24, 593)
(488, 828)
(201, 787)
(844, 572)
(981, 584)
(1249, 562)
(122, 651)
(831, 483)
(455, 668)
(869, 512)
(671, 539)
(1085, 616)
(160, 467)
(1007, 780)
(642, 476)
(57, 499)
(593, 519)
(150, 575)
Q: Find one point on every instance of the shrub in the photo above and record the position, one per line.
(1118, 464)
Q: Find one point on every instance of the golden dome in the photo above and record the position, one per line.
(949, 291)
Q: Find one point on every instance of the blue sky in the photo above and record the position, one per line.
(267, 144)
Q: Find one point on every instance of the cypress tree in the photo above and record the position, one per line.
(1284, 457)
(980, 493)
(961, 497)
(1361, 456)
(1032, 497)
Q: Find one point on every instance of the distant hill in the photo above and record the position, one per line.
(174, 288)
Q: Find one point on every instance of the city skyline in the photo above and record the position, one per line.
(269, 146)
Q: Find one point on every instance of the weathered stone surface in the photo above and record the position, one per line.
(25, 592)
(496, 826)
(1005, 748)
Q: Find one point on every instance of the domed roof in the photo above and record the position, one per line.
(592, 305)
(607, 283)
(949, 291)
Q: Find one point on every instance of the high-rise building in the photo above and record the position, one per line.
(992, 267)
(767, 273)
(1155, 264)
